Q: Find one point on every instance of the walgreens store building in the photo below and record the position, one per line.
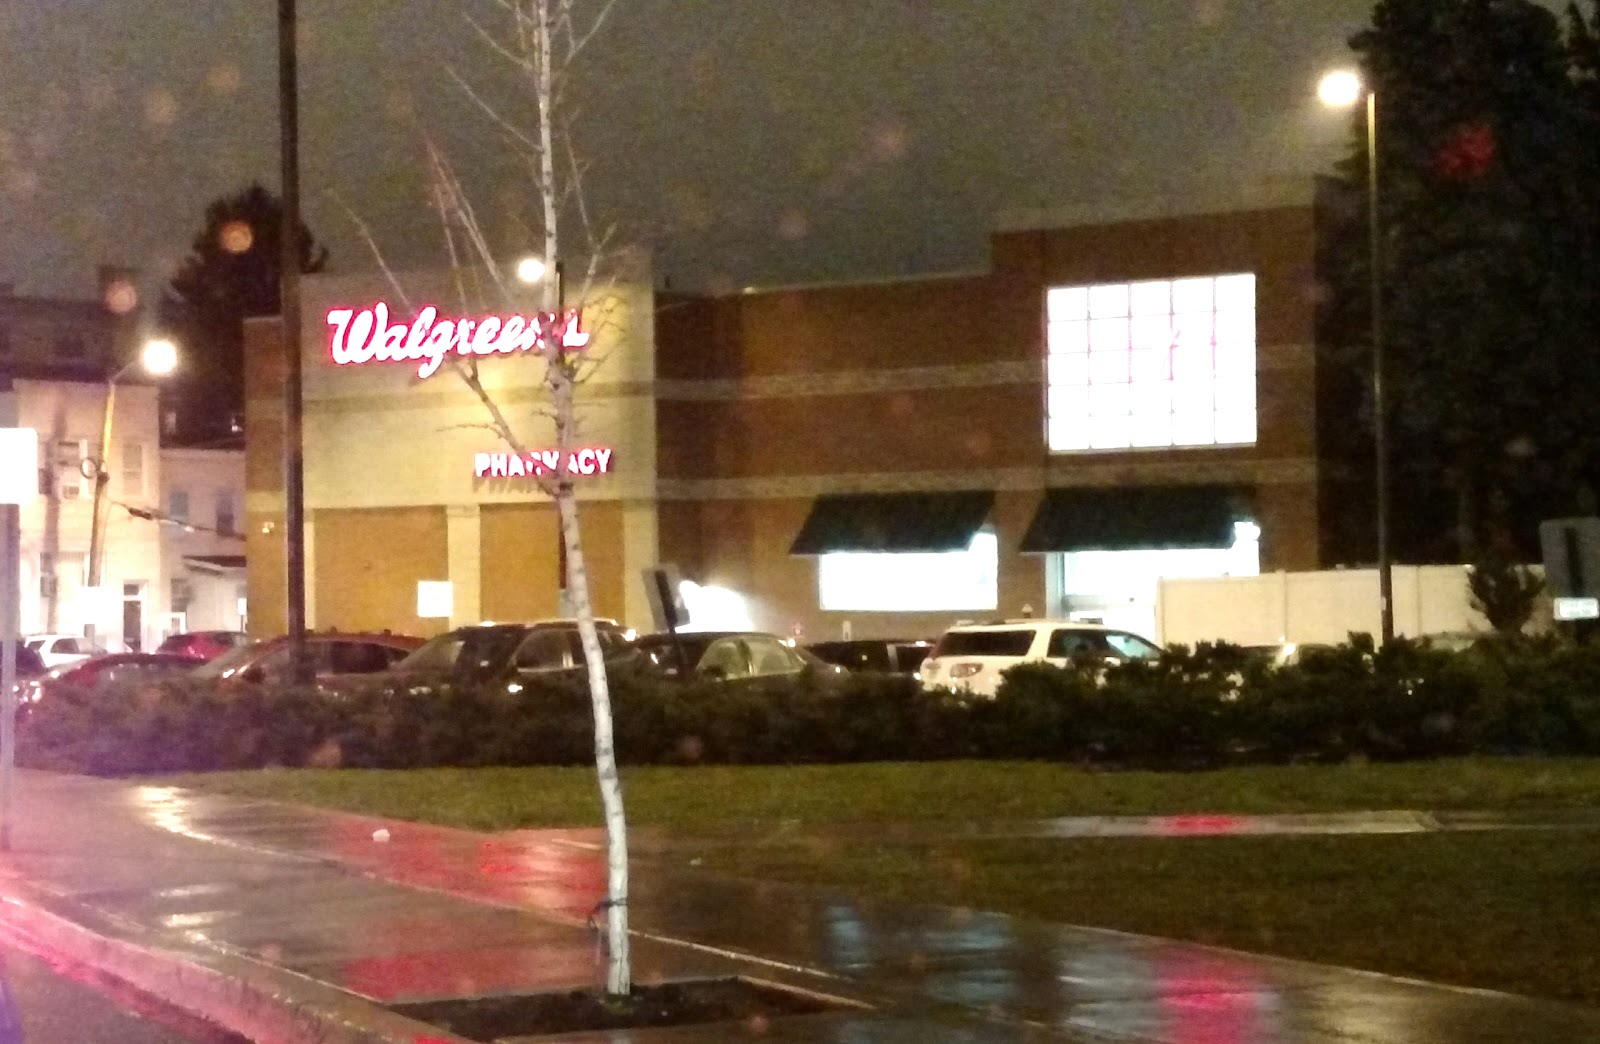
(1116, 399)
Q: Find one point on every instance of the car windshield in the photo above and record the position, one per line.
(858, 656)
(1015, 642)
(227, 663)
(661, 651)
(1132, 647)
(470, 649)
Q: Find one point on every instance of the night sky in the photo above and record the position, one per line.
(747, 141)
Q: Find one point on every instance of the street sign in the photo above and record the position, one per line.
(1577, 608)
(435, 599)
(1571, 552)
(19, 466)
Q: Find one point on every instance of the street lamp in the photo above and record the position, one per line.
(531, 270)
(157, 358)
(1342, 89)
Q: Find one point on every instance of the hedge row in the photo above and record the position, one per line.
(1198, 708)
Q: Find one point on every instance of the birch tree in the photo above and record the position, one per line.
(539, 43)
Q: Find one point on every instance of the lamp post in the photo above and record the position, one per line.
(157, 358)
(294, 478)
(1342, 89)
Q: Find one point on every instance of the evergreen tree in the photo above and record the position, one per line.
(230, 275)
(1488, 235)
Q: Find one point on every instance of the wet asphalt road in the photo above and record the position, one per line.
(57, 1007)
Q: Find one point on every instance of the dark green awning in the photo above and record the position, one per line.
(893, 522)
(1128, 519)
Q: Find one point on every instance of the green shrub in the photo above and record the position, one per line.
(1189, 709)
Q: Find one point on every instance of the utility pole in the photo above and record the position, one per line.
(294, 508)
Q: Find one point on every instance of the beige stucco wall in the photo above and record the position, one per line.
(380, 443)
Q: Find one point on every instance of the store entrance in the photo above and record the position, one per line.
(1119, 588)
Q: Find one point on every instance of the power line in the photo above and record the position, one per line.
(152, 515)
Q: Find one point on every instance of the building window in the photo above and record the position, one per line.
(178, 505)
(226, 523)
(133, 469)
(70, 457)
(1153, 364)
(851, 581)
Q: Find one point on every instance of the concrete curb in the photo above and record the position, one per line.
(268, 1005)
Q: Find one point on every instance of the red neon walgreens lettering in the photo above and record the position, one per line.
(357, 337)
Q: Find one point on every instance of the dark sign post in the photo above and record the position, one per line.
(1571, 550)
(664, 586)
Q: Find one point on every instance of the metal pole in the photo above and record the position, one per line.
(97, 520)
(1380, 415)
(293, 406)
(10, 628)
(10, 611)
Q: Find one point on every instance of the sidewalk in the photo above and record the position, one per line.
(299, 922)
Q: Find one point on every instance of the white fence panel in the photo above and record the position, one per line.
(1319, 607)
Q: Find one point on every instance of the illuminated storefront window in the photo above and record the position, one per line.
(912, 581)
(1118, 588)
(1153, 364)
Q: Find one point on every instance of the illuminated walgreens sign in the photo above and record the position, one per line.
(537, 463)
(367, 335)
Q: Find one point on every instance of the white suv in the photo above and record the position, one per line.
(972, 656)
(60, 650)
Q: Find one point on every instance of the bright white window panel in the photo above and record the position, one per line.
(1108, 301)
(964, 581)
(1068, 302)
(1152, 364)
(1069, 335)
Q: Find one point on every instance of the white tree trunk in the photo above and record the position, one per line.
(563, 386)
(535, 29)
(619, 972)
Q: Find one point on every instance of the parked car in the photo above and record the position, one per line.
(202, 646)
(330, 652)
(503, 652)
(884, 656)
(29, 663)
(112, 669)
(30, 668)
(972, 656)
(59, 649)
(729, 656)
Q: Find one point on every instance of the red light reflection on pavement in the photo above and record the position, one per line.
(417, 958)
(1177, 826)
(465, 973)
(1209, 999)
(531, 872)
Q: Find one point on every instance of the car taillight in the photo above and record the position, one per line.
(965, 670)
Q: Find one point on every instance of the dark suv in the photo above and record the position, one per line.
(504, 652)
(879, 655)
(330, 653)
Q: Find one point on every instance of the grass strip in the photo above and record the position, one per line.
(739, 797)
(1509, 911)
